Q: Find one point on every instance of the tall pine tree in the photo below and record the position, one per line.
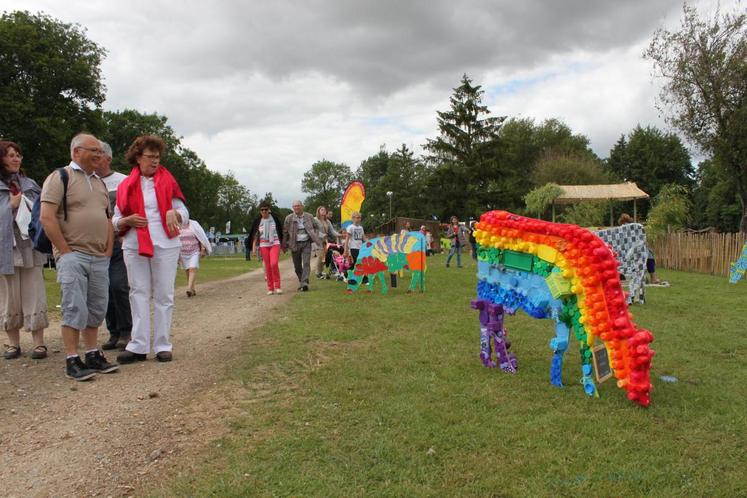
(463, 157)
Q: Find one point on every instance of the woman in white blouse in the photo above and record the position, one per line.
(149, 214)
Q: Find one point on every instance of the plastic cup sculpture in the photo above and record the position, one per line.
(390, 254)
(565, 273)
(739, 267)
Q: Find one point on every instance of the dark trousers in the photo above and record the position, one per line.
(302, 261)
(118, 314)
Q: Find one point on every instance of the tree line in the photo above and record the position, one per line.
(51, 88)
(480, 162)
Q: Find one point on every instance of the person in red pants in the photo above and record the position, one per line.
(265, 234)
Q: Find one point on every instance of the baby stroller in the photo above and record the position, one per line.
(339, 261)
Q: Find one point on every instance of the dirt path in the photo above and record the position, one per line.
(111, 436)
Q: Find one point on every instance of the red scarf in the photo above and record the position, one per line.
(130, 201)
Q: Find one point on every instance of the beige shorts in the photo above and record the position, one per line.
(23, 300)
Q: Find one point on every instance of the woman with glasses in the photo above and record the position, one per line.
(23, 298)
(265, 234)
(149, 215)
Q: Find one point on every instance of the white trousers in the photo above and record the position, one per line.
(151, 276)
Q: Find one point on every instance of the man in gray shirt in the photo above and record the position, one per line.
(299, 230)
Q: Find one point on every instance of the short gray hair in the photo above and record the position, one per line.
(296, 202)
(106, 148)
(78, 140)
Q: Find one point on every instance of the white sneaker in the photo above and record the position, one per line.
(278, 291)
(270, 293)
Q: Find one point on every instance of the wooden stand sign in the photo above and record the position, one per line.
(602, 368)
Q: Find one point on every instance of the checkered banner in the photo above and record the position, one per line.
(629, 243)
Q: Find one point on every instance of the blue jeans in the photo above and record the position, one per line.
(455, 249)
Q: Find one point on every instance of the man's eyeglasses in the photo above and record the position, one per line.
(89, 149)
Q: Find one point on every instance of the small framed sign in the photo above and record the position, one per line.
(602, 368)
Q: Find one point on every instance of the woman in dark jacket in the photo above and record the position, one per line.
(23, 298)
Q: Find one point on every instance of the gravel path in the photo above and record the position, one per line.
(114, 435)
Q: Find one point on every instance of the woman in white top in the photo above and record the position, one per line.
(149, 214)
(265, 234)
(195, 245)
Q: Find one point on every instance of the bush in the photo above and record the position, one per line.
(539, 199)
(670, 211)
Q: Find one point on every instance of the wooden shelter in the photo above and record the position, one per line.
(627, 191)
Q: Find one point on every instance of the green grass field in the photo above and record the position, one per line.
(211, 268)
(376, 395)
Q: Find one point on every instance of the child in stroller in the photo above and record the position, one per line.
(339, 261)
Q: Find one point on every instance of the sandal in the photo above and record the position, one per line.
(12, 352)
(39, 352)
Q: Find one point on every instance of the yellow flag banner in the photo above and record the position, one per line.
(352, 200)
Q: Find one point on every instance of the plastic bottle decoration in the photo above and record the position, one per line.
(739, 267)
(568, 274)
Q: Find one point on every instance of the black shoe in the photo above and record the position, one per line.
(164, 356)
(95, 360)
(12, 352)
(110, 344)
(130, 357)
(122, 343)
(75, 369)
(304, 288)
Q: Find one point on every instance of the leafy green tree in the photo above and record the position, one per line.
(715, 199)
(670, 211)
(651, 159)
(570, 169)
(463, 152)
(50, 87)
(541, 198)
(704, 65)
(372, 172)
(325, 183)
(586, 214)
(235, 203)
(522, 146)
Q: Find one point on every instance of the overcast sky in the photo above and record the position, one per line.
(264, 89)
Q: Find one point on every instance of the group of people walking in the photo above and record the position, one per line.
(299, 232)
(116, 240)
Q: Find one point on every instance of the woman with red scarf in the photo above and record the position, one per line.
(149, 213)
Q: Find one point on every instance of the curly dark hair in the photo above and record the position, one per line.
(5, 146)
(140, 144)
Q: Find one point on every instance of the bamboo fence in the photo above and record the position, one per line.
(702, 253)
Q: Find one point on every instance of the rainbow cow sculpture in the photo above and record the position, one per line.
(566, 273)
(739, 267)
(390, 254)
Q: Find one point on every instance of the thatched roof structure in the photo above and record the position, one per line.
(628, 191)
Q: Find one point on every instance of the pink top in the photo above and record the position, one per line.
(190, 244)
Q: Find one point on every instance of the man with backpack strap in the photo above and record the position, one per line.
(82, 247)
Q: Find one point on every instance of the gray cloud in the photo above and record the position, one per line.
(266, 88)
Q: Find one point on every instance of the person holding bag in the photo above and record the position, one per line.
(23, 298)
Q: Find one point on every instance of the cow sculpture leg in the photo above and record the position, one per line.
(494, 335)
